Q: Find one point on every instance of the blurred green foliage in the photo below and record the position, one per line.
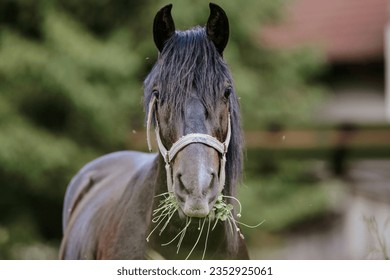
(285, 198)
(71, 88)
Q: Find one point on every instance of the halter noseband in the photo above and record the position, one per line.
(184, 141)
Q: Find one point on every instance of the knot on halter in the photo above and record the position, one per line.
(169, 155)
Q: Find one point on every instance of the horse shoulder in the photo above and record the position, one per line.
(92, 193)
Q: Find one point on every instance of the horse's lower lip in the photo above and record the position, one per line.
(195, 211)
(191, 214)
(196, 214)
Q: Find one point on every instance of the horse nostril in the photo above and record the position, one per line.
(213, 174)
(212, 184)
(182, 190)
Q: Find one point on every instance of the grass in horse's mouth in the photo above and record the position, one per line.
(221, 211)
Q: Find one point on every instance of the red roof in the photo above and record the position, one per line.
(347, 30)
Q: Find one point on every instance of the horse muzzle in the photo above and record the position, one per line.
(196, 182)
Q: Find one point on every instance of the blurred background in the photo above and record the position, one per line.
(310, 76)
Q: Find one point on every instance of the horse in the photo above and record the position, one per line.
(189, 98)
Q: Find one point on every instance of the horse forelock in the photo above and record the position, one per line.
(190, 63)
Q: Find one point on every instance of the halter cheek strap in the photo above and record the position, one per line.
(169, 155)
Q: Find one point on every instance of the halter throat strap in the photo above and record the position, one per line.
(206, 139)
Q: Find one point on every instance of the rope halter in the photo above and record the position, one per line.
(169, 155)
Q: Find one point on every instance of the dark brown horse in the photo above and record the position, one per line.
(190, 99)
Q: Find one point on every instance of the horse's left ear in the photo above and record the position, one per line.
(217, 27)
(163, 27)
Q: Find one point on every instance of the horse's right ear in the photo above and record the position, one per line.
(163, 27)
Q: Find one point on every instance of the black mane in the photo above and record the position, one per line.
(190, 62)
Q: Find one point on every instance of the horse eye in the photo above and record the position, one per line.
(227, 93)
(155, 93)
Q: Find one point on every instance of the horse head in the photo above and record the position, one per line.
(190, 97)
